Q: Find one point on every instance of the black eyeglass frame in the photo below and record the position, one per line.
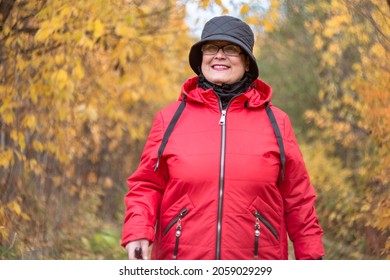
(223, 49)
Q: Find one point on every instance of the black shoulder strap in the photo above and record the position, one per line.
(180, 110)
(278, 135)
(169, 130)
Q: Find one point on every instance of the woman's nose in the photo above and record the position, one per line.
(220, 53)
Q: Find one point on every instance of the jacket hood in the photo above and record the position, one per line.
(254, 97)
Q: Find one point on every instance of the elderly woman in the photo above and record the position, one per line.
(221, 175)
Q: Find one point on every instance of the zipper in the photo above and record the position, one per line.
(176, 220)
(223, 117)
(222, 123)
(259, 218)
(178, 234)
(257, 237)
(266, 223)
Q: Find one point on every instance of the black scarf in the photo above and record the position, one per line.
(226, 92)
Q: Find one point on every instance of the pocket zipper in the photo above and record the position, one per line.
(257, 236)
(266, 223)
(259, 218)
(176, 220)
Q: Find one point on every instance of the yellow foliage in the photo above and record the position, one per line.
(254, 20)
(98, 29)
(77, 85)
(127, 31)
(6, 158)
(204, 3)
(244, 9)
(270, 21)
(78, 72)
(8, 117)
(354, 117)
(14, 207)
(30, 121)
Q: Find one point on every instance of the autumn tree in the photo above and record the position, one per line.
(80, 81)
(352, 39)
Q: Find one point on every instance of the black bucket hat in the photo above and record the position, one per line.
(225, 28)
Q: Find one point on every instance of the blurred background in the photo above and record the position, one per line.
(80, 82)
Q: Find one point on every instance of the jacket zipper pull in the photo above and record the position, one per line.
(178, 234)
(257, 235)
(223, 117)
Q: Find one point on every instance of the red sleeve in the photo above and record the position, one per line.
(299, 198)
(146, 187)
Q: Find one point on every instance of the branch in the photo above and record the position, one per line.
(5, 10)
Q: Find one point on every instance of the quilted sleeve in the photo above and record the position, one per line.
(299, 199)
(145, 189)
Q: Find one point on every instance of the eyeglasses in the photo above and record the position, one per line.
(229, 50)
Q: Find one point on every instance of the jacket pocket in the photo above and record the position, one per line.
(260, 220)
(177, 220)
(267, 221)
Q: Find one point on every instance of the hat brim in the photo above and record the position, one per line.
(195, 55)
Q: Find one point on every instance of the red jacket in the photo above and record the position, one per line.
(217, 185)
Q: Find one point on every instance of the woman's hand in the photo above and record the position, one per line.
(142, 244)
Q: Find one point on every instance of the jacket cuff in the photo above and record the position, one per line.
(309, 248)
(135, 234)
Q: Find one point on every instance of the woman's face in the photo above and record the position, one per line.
(221, 68)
